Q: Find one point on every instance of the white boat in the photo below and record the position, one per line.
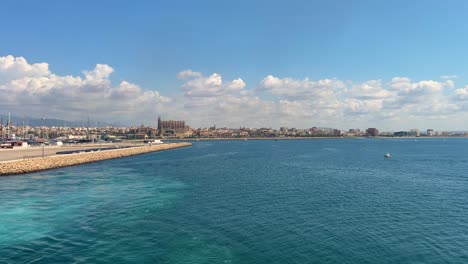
(155, 142)
(388, 155)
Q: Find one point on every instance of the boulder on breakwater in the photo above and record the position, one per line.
(59, 161)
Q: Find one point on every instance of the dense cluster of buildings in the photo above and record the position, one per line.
(214, 132)
(178, 129)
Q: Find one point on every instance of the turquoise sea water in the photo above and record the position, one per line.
(300, 201)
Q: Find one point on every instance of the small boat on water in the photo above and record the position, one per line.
(388, 155)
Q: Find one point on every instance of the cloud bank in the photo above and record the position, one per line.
(399, 103)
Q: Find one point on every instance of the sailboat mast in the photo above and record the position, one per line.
(8, 126)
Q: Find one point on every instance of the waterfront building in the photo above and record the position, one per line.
(337, 133)
(414, 132)
(354, 130)
(372, 132)
(401, 134)
(430, 132)
(386, 134)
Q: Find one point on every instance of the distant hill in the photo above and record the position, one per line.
(32, 121)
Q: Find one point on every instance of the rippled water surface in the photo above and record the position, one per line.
(301, 201)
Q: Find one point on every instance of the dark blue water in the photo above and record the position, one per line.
(301, 201)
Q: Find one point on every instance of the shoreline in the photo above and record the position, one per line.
(247, 139)
(16, 167)
(299, 138)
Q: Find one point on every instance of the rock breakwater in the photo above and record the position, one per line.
(59, 161)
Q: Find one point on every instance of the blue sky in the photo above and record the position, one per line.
(148, 43)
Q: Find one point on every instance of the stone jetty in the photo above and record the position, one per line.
(59, 161)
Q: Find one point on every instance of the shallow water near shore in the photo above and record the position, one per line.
(298, 201)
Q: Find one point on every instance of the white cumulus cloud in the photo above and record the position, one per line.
(12, 68)
(32, 89)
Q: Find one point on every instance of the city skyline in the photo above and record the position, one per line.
(177, 129)
(300, 64)
(180, 127)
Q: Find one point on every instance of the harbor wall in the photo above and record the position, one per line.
(59, 161)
